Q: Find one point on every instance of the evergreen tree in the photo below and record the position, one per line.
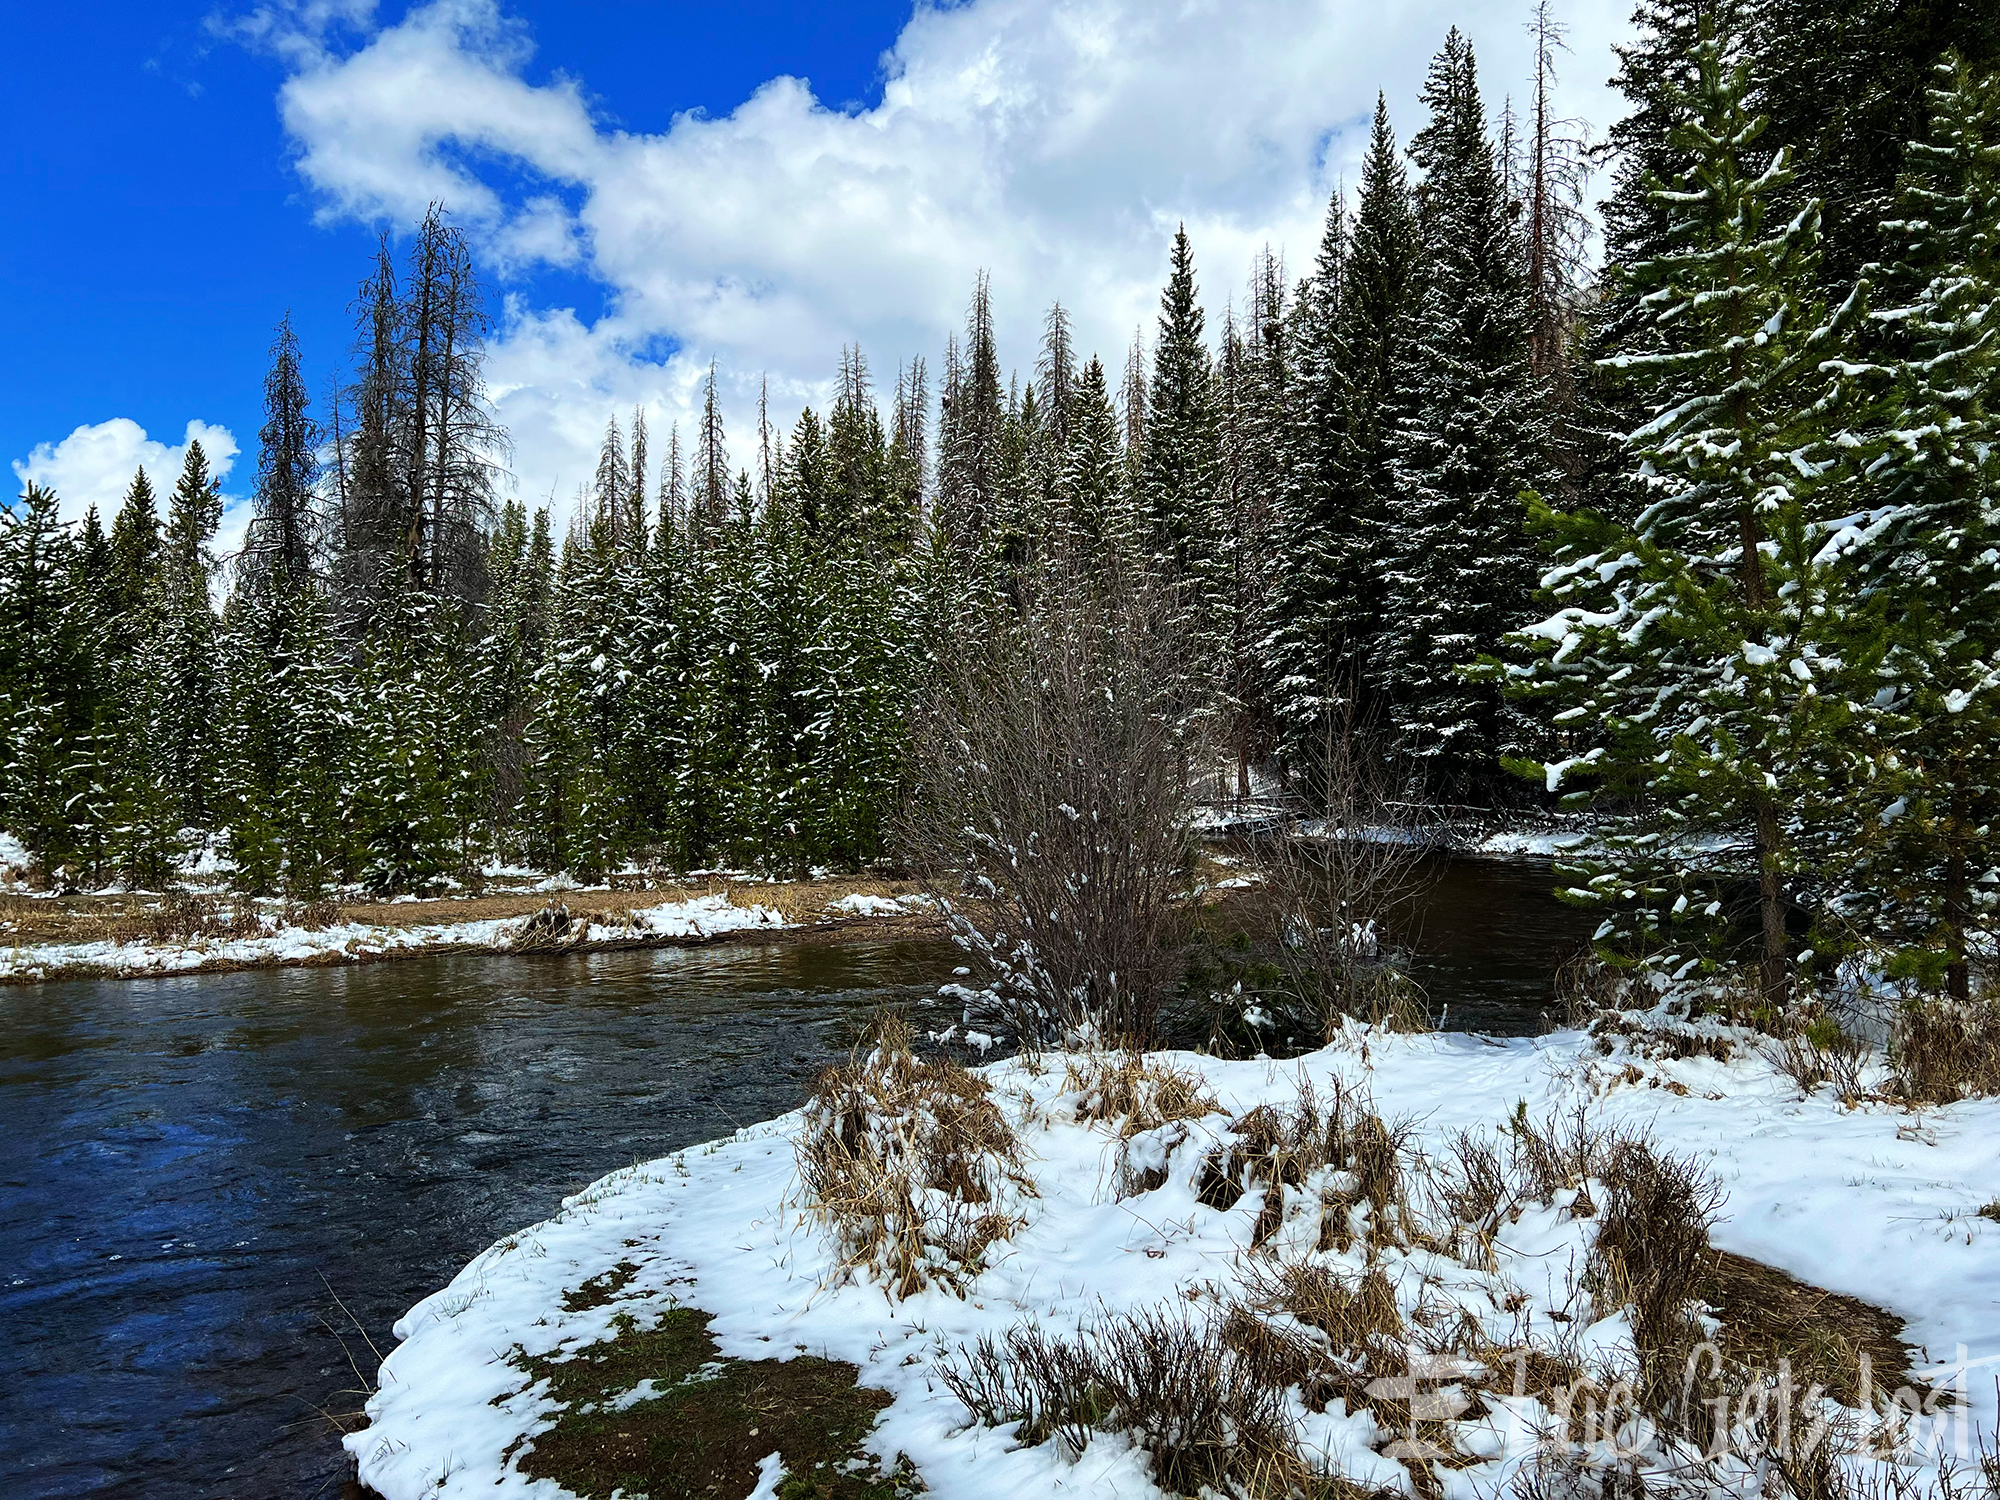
(1322, 570)
(280, 549)
(1689, 650)
(46, 667)
(1179, 471)
(1923, 863)
(1462, 568)
(1845, 84)
(184, 713)
(135, 561)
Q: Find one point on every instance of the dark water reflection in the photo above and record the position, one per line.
(182, 1160)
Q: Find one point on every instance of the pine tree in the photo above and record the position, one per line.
(970, 430)
(182, 675)
(280, 549)
(135, 561)
(1462, 568)
(1096, 519)
(1179, 472)
(1689, 650)
(46, 667)
(1845, 84)
(1924, 861)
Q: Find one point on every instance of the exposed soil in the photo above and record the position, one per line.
(1768, 1315)
(705, 1423)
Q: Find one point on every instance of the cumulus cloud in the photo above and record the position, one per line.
(94, 465)
(1054, 143)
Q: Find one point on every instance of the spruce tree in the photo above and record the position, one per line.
(1462, 568)
(46, 672)
(1179, 474)
(1689, 651)
(135, 562)
(1923, 863)
(184, 718)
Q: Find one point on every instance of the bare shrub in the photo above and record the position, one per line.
(1209, 1418)
(1816, 1053)
(1334, 895)
(910, 1163)
(1054, 813)
(1587, 986)
(1946, 1050)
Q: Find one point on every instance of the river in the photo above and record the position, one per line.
(198, 1175)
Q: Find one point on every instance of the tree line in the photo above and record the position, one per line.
(1752, 446)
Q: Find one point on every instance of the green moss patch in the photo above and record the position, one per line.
(700, 1424)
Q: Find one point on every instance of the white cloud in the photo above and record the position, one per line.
(1052, 142)
(94, 465)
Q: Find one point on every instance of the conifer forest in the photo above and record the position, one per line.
(1653, 480)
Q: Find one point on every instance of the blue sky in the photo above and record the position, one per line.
(160, 231)
(185, 173)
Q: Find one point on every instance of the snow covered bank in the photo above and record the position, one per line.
(356, 942)
(1113, 1214)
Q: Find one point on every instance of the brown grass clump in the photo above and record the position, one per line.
(1278, 1149)
(182, 916)
(1652, 1255)
(1944, 1050)
(547, 930)
(911, 1164)
(1135, 1091)
(1211, 1418)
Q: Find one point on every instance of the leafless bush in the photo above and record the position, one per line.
(910, 1162)
(1333, 894)
(1946, 1050)
(1587, 986)
(1209, 1418)
(1815, 1052)
(1054, 819)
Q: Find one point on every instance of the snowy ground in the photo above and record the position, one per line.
(1876, 1202)
(353, 942)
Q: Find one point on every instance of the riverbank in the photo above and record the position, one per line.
(1385, 1223)
(135, 936)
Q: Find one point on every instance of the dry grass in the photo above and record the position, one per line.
(1206, 1411)
(1725, 1347)
(1944, 1051)
(1279, 1149)
(910, 1163)
(1134, 1091)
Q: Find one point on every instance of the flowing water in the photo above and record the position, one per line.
(193, 1170)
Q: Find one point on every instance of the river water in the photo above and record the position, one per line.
(198, 1175)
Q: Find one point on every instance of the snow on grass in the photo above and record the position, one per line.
(349, 942)
(860, 904)
(1874, 1202)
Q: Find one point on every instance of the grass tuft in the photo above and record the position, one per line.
(910, 1163)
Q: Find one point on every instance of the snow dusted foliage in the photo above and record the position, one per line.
(1696, 657)
(1929, 457)
(1463, 567)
